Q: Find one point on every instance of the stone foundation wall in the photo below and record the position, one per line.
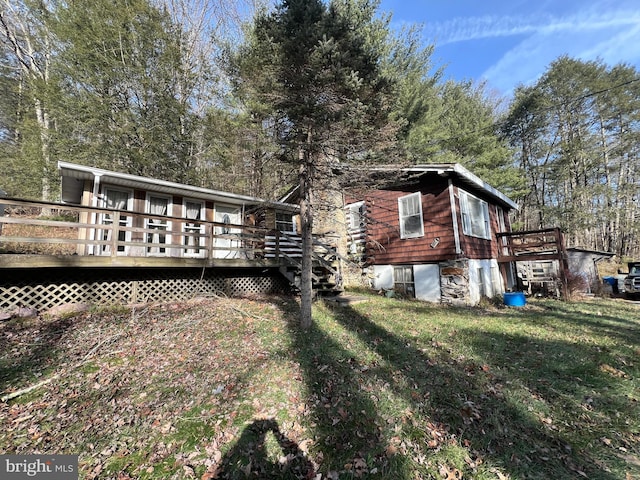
(454, 282)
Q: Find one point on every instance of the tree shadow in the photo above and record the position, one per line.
(27, 352)
(350, 435)
(465, 403)
(249, 457)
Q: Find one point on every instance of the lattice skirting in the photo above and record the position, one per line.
(47, 288)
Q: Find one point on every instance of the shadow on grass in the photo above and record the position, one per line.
(453, 403)
(349, 432)
(249, 457)
(25, 357)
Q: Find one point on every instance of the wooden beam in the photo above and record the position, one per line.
(10, 261)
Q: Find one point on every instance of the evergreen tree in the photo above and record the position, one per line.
(318, 71)
(576, 135)
(28, 47)
(121, 70)
(460, 126)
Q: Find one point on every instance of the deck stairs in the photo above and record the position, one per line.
(326, 265)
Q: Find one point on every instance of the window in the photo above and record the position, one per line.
(403, 281)
(356, 216)
(410, 211)
(157, 206)
(118, 200)
(475, 216)
(193, 228)
(285, 223)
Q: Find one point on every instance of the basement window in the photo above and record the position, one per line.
(403, 281)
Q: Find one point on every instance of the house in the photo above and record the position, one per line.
(118, 238)
(431, 234)
(167, 219)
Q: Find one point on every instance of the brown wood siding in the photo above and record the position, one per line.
(474, 247)
(177, 210)
(208, 211)
(384, 245)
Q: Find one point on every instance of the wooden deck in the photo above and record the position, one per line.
(50, 235)
(535, 251)
(57, 254)
(69, 261)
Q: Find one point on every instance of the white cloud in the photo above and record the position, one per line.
(492, 26)
(599, 31)
(622, 47)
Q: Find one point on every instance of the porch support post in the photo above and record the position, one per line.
(454, 217)
(94, 203)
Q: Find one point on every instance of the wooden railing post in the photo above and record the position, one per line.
(209, 240)
(115, 233)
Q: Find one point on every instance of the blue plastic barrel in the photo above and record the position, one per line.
(515, 299)
(610, 280)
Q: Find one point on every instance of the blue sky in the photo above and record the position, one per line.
(507, 43)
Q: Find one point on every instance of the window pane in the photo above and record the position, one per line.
(356, 216)
(158, 205)
(284, 222)
(193, 210)
(397, 275)
(412, 225)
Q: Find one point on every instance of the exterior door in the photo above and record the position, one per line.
(118, 200)
(226, 237)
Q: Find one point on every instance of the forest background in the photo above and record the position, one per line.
(157, 88)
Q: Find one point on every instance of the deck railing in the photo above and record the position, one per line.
(60, 229)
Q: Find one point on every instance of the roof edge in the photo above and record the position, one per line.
(145, 182)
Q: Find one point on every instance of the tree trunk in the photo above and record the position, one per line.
(306, 221)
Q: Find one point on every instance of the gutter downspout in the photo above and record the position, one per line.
(94, 204)
(454, 216)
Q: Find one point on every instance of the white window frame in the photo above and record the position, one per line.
(196, 245)
(160, 225)
(472, 226)
(403, 215)
(357, 216)
(292, 222)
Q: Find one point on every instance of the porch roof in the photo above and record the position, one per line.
(73, 176)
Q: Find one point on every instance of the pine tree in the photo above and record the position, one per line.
(317, 70)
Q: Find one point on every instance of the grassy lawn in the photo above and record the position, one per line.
(223, 388)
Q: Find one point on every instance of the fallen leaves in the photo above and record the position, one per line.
(169, 390)
(470, 412)
(450, 473)
(614, 372)
(149, 389)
